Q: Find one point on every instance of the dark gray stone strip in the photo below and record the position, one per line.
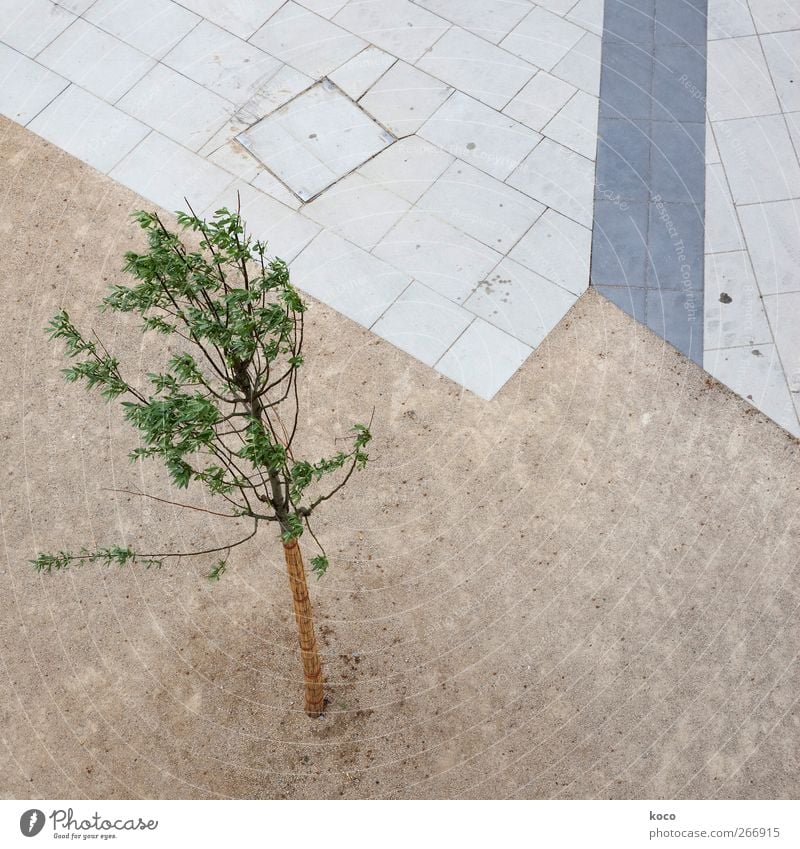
(648, 234)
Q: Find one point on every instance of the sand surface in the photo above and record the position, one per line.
(587, 587)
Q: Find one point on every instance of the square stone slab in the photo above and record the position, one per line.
(315, 139)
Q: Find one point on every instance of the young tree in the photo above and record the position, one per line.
(225, 410)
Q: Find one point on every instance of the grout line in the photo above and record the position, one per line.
(399, 295)
(739, 347)
(52, 99)
(450, 346)
(147, 135)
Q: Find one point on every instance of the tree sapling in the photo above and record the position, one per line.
(225, 410)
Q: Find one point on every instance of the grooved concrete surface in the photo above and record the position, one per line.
(647, 250)
(459, 230)
(587, 588)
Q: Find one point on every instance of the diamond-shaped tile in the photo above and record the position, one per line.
(315, 139)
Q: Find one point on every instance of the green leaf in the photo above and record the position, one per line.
(217, 572)
(319, 565)
(293, 529)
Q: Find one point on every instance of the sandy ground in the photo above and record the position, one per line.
(587, 587)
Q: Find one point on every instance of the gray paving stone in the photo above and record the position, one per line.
(676, 243)
(619, 244)
(626, 81)
(631, 21)
(623, 159)
(681, 21)
(677, 162)
(677, 316)
(679, 82)
(648, 240)
(630, 300)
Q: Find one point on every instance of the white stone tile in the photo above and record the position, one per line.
(397, 26)
(29, 27)
(362, 71)
(96, 60)
(241, 17)
(712, 153)
(734, 311)
(477, 68)
(775, 15)
(278, 90)
(757, 375)
(306, 41)
(543, 38)
(771, 233)
(479, 135)
(347, 278)
(490, 19)
(407, 168)
(520, 302)
(729, 18)
(228, 131)
(326, 8)
(558, 7)
(540, 100)
(166, 173)
(285, 231)
(177, 107)
(793, 122)
(271, 185)
(722, 225)
(358, 210)
(87, 127)
(558, 249)
(152, 26)
(446, 259)
(759, 159)
(77, 7)
(481, 206)
(783, 57)
(236, 160)
(739, 84)
(315, 139)
(404, 98)
(25, 86)
(588, 14)
(558, 177)
(575, 126)
(581, 66)
(222, 63)
(483, 359)
(422, 323)
(784, 319)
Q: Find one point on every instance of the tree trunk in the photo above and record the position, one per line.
(312, 669)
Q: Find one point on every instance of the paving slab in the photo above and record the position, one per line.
(315, 140)
(649, 217)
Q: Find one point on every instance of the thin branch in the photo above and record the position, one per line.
(173, 503)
